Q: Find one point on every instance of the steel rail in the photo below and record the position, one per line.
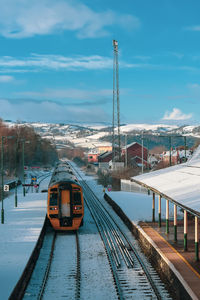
(115, 235)
(78, 269)
(156, 291)
(46, 275)
(137, 256)
(109, 254)
(106, 233)
(149, 277)
(118, 239)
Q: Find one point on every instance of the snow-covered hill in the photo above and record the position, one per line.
(67, 135)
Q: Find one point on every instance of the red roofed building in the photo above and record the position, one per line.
(93, 157)
(134, 153)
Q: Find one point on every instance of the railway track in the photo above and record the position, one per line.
(132, 274)
(56, 274)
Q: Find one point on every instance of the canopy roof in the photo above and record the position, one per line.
(180, 183)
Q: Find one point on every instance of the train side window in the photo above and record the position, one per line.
(53, 199)
(77, 198)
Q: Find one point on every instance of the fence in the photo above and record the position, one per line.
(128, 186)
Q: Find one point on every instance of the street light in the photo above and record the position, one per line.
(142, 152)
(16, 177)
(2, 182)
(23, 142)
(126, 154)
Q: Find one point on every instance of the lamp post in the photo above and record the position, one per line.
(185, 148)
(24, 191)
(126, 154)
(23, 175)
(142, 152)
(2, 208)
(2, 170)
(16, 173)
(170, 149)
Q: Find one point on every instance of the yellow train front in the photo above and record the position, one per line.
(65, 207)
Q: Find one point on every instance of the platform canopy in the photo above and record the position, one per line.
(179, 184)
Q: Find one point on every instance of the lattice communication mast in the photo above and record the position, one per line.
(116, 143)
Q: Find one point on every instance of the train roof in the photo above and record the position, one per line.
(63, 173)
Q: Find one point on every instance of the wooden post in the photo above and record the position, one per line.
(196, 240)
(175, 223)
(159, 211)
(167, 216)
(185, 230)
(153, 208)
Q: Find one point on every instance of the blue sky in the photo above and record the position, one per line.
(56, 60)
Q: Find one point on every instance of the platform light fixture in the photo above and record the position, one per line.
(2, 174)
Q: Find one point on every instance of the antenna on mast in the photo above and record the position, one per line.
(116, 146)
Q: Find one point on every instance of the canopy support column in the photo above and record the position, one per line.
(159, 211)
(167, 216)
(185, 230)
(196, 240)
(153, 208)
(175, 223)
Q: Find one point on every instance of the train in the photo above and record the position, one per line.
(65, 204)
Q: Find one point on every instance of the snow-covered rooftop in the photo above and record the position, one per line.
(180, 183)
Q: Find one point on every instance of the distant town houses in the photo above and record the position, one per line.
(135, 155)
(177, 156)
(95, 153)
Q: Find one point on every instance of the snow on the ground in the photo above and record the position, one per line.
(23, 224)
(130, 127)
(19, 234)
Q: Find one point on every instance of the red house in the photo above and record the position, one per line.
(134, 153)
(105, 157)
(93, 157)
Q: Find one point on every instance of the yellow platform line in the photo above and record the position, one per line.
(185, 261)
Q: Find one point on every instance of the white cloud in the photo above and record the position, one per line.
(92, 95)
(193, 28)
(176, 115)
(68, 94)
(194, 86)
(22, 18)
(39, 62)
(177, 54)
(6, 78)
(50, 112)
(142, 57)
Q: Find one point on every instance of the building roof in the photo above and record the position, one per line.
(105, 154)
(179, 183)
(130, 145)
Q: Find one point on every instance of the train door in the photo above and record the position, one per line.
(65, 205)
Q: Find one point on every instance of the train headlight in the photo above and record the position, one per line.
(77, 207)
(53, 208)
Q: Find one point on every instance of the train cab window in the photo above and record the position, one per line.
(53, 199)
(77, 198)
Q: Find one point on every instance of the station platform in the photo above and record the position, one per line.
(133, 208)
(19, 234)
(188, 270)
